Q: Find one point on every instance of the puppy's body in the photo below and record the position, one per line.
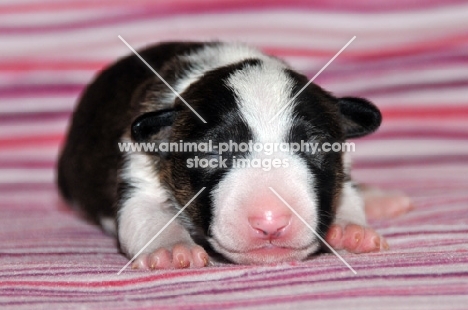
(237, 90)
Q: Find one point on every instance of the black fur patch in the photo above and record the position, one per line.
(359, 116)
(317, 120)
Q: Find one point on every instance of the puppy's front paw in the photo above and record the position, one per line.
(355, 238)
(180, 256)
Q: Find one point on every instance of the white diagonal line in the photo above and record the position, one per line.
(312, 79)
(315, 233)
(161, 230)
(160, 77)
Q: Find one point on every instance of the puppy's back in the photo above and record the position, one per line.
(90, 159)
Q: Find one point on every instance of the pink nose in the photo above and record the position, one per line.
(269, 226)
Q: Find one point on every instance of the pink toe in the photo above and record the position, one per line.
(370, 242)
(199, 257)
(181, 256)
(334, 237)
(160, 259)
(141, 262)
(353, 237)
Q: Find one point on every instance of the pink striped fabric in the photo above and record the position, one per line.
(409, 57)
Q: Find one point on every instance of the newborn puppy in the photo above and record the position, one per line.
(237, 91)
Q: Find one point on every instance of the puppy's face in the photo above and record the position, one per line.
(254, 200)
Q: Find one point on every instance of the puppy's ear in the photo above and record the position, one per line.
(152, 125)
(359, 116)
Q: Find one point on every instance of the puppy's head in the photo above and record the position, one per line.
(248, 210)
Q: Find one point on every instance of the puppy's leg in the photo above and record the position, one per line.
(349, 231)
(140, 219)
(145, 208)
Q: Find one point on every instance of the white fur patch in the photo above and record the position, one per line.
(240, 192)
(262, 91)
(147, 210)
(351, 207)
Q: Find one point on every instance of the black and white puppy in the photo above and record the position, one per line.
(237, 90)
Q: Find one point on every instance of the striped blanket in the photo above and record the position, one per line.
(409, 57)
